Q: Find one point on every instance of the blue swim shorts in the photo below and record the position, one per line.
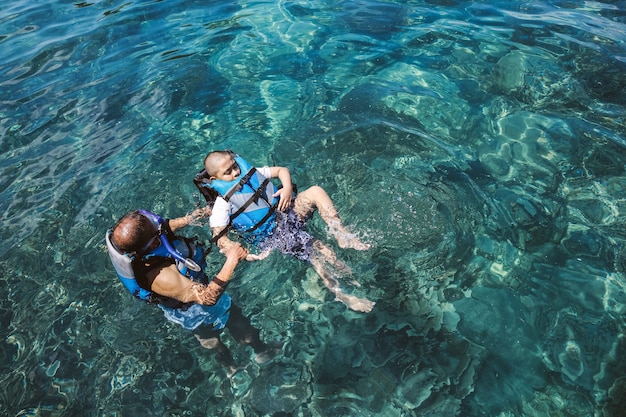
(197, 315)
(289, 237)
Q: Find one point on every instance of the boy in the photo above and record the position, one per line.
(246, 200)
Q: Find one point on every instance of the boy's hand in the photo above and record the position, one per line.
(258, 256)
(236, 252)
(285, 198)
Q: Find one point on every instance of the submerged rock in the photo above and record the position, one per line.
(281, 387)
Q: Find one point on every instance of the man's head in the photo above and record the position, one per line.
(134, 233)
(221, 165)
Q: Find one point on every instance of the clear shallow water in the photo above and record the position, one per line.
(478, 147)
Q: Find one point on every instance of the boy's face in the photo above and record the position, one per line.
(227, 169)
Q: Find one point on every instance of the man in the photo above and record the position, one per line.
(163, 268)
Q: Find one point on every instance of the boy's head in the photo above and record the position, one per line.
(221, 165)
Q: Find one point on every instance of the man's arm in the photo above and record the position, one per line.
(179, 222)
(171, 283)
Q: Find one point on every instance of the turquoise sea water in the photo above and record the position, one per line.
(478, 146)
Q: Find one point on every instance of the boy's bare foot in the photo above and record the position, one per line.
(362, 305)
(351, 241)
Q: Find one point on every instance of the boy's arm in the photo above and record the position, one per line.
(224, 243)
(284, 176)
(219, 222)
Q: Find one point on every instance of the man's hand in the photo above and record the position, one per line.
(201, 212)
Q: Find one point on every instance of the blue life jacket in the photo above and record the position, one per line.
(251, 200)
(188, 256)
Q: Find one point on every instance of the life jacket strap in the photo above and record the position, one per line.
(264, 219)
(257, 194)
(217, 237)
(242, 181)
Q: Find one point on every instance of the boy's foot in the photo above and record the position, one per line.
(362, 305)
(344, 238)
(351, 241)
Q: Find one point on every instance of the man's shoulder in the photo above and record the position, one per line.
(165, 274)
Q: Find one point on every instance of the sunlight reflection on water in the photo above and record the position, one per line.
(477, 147)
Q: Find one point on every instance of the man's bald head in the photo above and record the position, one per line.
(133, 232)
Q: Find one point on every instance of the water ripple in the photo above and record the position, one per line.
(478, 147)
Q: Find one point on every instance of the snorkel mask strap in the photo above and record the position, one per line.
(158, 220)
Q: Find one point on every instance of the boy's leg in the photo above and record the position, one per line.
(316, 198)
(319, 261)
(329, 256)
